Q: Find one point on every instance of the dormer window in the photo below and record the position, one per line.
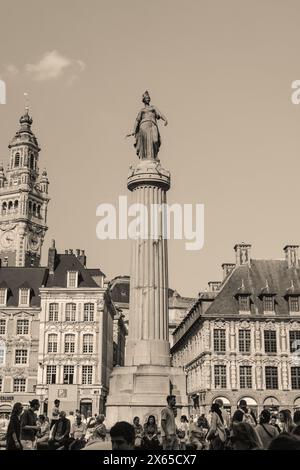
(244, 303)
(294, 303)
(268, 303)
(72, 279)
(3, 297)
(24, 297)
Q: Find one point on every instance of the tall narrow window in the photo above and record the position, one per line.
(68, 375)
(268, 303)
(3, 297)
(53, 312)
(294, 303)
(87, 375)
(71, 312)
(88, 314)
(219, 340)
(17, 160)
(271, 377)
(2, 354)
(51, 375)
(1, 382)
(69, 343)
(220, 376)
(88, 343)
(244, 341)
(24, 297)
(52, 343)
(294, 340)
(244, 303)
(2, 327)
(245, 377)
(295, 376)
(270, 341)
(72, 279)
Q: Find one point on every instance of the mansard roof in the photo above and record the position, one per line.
(258, 278)
(69, 262)
(16, 277)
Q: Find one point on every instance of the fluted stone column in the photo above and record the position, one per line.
(148, 341)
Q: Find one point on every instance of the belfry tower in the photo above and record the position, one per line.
(142, 386)
(23, 200)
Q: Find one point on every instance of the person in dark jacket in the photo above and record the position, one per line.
(60, 434)
(13, 441)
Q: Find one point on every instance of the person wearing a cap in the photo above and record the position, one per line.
(29, 426)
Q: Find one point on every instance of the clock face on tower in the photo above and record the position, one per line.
(7, 239)
(34, 242)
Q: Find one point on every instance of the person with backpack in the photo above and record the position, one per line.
(242, 414)
(265, 430)
(217, 433)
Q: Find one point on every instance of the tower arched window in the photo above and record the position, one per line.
(38, 211)
(30, 207)
(4, 208)
(34, 208)
(10, 206)
(31, 161)
(16, 206)
(17, 160)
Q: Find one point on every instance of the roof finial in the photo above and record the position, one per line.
(26, 95)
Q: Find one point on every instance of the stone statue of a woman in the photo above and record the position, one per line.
(146, 132)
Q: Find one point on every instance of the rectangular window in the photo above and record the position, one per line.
(88, 343)
(295, 376)
(51, 375)
(294, 340)
(69, 343)
(72, 278)
(21, 356)
(52, 343)
(2, 354)
(3, 297)
(245, 377)
(19, 385)
(270, 341)
(219, 340)
(1, 382)
(244, 341)
(68, 375)
(294, 304)
(71, 312)
(87, 375)
(22, 327)
(268, 304)
(53, 312)
(271, 377)
(2, 327)
(220, 376)
(88, 314)
(244, 303)
(24, 297)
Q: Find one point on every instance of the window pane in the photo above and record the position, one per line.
(270, 341)
(53, 312)
(271, 377)
(295, 375)
(294, 340)
(244, 341)
(245, 377)
(219, 340)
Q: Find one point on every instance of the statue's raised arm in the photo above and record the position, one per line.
(146, 132)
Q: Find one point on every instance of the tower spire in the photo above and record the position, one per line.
(26, 96)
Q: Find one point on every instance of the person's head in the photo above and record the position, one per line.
(219, 402)
(136, 421)
(71, 413)
(285, 418)
(297, 417)
(285, 442)
(34, 404)
(151, 420)
(184, 419)
(273, 419)
(238, 416)
(265, 417)
(171, 400)
(244, 437)
(42, 419)
(57, 403)
(122, 436)
(216, 409)
(100, 419)
(62, 414)
(146, 98)
(17, 409)
(243, 405)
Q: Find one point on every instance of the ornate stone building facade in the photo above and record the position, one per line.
(244, 343)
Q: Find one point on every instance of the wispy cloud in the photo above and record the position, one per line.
(53, 65)
(11, 70)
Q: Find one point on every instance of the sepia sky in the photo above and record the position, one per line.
(220, 70)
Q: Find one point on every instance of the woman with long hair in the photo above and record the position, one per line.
(286, 421)
(150, 438)
(266, 431)
(217, 433)
(244, 437)
(13, 441)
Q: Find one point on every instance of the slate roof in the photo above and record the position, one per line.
(69, 262)
(275, 274)
(15, 277)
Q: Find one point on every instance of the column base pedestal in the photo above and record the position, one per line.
(142, 391)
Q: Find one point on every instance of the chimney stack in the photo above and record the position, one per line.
(291, 255)
(227, 268)
(214, 286)
(70, 251)
(81, 257)
(52, 257)
(242, 252)
(66, 252)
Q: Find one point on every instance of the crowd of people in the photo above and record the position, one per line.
(28, 430)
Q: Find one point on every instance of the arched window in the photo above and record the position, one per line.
(4, 208)
(10, 206)
(34, 208)
(71, 312)
(30, 207)
(32, 161)
(69, 343)
(17, 160)
(87, 344)
(52, 343)
(16, 206)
